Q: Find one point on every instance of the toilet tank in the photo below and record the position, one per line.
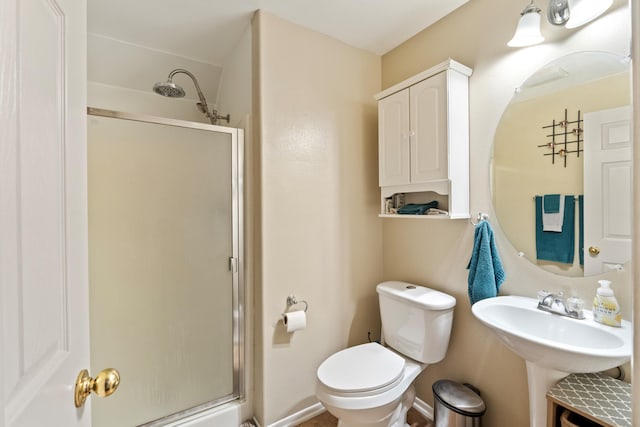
(416, 321)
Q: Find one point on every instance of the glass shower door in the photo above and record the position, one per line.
(163, 241)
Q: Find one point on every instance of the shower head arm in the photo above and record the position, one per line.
(203, 101)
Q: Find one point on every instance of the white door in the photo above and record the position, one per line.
(43, 212)
(607, 189)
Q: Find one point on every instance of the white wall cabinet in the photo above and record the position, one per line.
(423, 125)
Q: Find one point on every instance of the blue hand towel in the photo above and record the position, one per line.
(554, 246)
(485, 268)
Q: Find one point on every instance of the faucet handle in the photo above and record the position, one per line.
(542, 295)
(575, 305)
(560, 296)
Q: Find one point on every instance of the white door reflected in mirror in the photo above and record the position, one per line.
(607, 189)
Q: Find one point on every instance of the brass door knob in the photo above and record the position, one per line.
(104, 384)
(594, 250)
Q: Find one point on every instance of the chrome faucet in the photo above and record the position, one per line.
(555, 303)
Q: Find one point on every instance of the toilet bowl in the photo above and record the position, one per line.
(372, 385)
(368, 385)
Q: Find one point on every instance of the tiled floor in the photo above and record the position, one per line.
(414, 419)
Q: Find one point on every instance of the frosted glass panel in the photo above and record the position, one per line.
(160, 238)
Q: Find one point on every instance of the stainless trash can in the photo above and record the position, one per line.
(456, 405)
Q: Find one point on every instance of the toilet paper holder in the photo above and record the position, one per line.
(291, 300)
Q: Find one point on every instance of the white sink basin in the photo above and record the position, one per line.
(553, 341)
(552, 345)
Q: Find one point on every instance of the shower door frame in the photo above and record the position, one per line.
(236, 260)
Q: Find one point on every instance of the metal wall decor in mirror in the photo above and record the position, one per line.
(573, 220)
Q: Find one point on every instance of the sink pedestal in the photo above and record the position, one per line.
(540, 382)
(553, 346)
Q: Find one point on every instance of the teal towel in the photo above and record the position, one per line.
(554, 246)
(485, 268)
(417, 209)
(552, 203)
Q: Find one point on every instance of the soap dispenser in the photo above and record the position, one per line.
(605, 305)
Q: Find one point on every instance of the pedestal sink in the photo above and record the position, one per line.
(553, 346)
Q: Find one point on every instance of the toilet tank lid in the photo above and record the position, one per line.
(425, 297)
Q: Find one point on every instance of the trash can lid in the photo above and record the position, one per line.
(459, 398)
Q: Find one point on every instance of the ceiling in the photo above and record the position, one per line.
(135, 43)
(207, 30)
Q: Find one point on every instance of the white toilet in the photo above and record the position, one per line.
(372, 385)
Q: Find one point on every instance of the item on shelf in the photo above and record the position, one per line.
(398, 200)
(417, 209)
(435, 211)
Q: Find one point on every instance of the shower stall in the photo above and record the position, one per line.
(165, 265)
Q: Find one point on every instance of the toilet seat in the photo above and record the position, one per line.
(362, 370)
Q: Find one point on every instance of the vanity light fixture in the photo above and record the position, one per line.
(583, 11)
(558, 12)
(528, 29)
(570, 13)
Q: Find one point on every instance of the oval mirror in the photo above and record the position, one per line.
(561, 165)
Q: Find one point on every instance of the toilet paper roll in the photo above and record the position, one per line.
(295, 320)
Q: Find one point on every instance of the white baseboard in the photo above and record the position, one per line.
(316, 409)
(423, 408)
(300, 416)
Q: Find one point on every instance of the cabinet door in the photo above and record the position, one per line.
(428, 119)
(393, 146)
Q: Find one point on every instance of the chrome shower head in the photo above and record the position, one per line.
(168, 89)
(172, 90)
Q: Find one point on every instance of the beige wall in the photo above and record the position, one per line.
(436, 254)
(138, 68)
(234, 94)
(319, 235)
